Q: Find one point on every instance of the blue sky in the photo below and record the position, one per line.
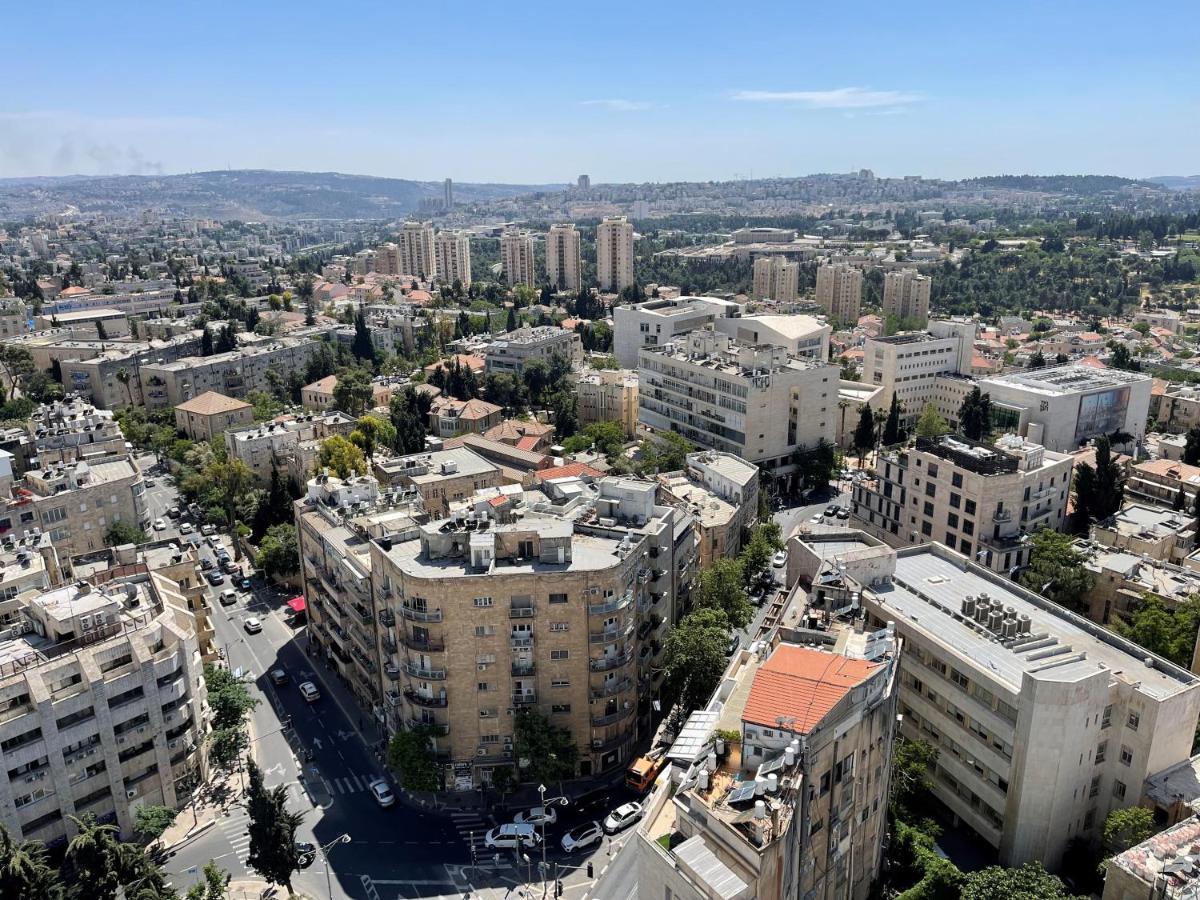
(533, 92)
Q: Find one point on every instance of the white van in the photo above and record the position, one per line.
(228, 597)
(512, 835)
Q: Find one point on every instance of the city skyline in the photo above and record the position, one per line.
(976, 94)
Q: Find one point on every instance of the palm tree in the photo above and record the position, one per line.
(123, 377)
(24, 871)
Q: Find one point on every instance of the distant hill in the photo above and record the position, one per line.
(1178, 182)
(246, 194)
(1078, 185)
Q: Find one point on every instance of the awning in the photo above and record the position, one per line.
(297, 604)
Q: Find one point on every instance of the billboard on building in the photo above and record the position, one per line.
(1101, 413)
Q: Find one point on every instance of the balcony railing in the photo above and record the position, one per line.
(393, 699)
(421, 615)
(424, 700)
(527, 698)
(613, 717)
(387, 617)
(1002, 515)
(611, 606)
(521, 640)
(612, 688)
(600, 745)
(424, 646)
(521, 612)
(438, 729)
(609, 635)
(523, 668)
(608, 663)
(389, 643)
(418, 672)
(391, 670)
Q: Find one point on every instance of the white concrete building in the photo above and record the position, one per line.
(658, 322)
(614, 254)
(775, 278)
(798, 335)
(728, 396)
(452, 257)
(516, 257)
(1044, 721)
(564, 270)
(981, 501)
(510, 351)
(907, 365)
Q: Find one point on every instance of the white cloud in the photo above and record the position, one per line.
(838, 98)
(619, 105)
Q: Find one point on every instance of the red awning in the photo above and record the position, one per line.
(297, 603)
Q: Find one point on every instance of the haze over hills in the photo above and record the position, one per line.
(257, 194)
(245, 194)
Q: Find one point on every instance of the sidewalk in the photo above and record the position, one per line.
(256, 889)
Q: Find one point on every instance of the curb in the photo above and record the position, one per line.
(192, 832)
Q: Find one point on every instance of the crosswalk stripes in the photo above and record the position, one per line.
(234, 826)
(351, 783)
(471, 827)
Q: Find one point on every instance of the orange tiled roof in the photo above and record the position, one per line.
(210, 403)
(803, 684)
(571, 470)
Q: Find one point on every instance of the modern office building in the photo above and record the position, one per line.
(417, 259)
(1044, 721)
(516, 257)
(1064, 407)
(104, 704)
(906, 296)
(908, 366)
(564, 270)
(982, 501)
(839, 291)
(658, 322)
(756, 402)
(798, 807)
(614, 254)
(452, 257)
(608, 395)
(775, 278)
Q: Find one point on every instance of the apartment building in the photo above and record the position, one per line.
(516, 258)
(276, 444)
(1148, 531)
(449, 417)
(800, 335)
(452, 253)
(440, 477)
(1178, 407)
(564, 270)
(908, 366)
(1162, 481)
(233, 374)
(839, 291)
(1162, 867)
(28, 562)
(1064, 407)
(608, 395)
(387, 260)
(1122, 580)
(775, 278)
(721, 492)
(417, 259)
(76, 503)
(614, 254)
(798, 809)
(658, 322)
(210, 414)
(14, 318)
(73, 429)
(103, 324)
(511, 351)
(724, 395)
(104, 705)
(553, 605)
(982, 501)
(98, 370)
(1044, 722)
(906, 296)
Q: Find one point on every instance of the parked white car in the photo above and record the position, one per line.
(537, 816)
(622, 817)
(582, 836)
(512, 835)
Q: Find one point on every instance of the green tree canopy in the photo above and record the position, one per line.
(1056, 570)
(607, 438)
(891, 427)
(549, 748)
(864, 432)
(721, 587)
(149, 822)
(410, 754)
(1170, 633)
(931, 423)
(279, 551)
(124, 533)
(272, 850)
(1029, 882)
(372, 432)
(694, 658)
(25, 871)
(341, 457)
(975, 415)
(353, 393)
(1125, 828)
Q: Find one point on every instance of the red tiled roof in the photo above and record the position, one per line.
(571, 470)
(1092, 363)
(802, 684)
(529, 442)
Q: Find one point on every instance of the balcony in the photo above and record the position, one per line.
(429, 674)
(614, 717)
(421, 615)
(1002, 515)
(424, 646)
(608, 663)
(612, 688)
(391, 670)
(600, 745)
(422, 700)
(437, 729)
(364, 615)
(611, 606)
(523, 668)
(526, 698)
(610, 635)
(392, 698)
(521, 612)
(389, 643)
(387, 617)
(520, 640)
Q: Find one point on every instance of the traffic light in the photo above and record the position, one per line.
(589, 870)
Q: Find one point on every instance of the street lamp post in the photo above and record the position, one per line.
(343, 839)
(563, 801)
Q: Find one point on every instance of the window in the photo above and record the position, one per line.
(1133, 721)
(558, 598)
(960, 679)
(485, 630)
(560, 708)
(1126, 756)
(483, 601)
(560, 683)
(928, 509)
(968, 526)
(969, 508)
(956, 479)
(826, 781)
(955, 501)
(559, 654)
(1106, 719)
(930, 489)
(927, 528)
(933, 470)
(1119, 790)
(558, 626)
(489, 739)
(484, 686)
(952, 520)
(951, 540)
(1101, 751)
(1095, 787)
